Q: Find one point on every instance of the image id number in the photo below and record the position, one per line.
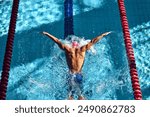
(106, 109)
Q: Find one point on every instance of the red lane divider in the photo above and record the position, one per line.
(8, 50)
(129, 51)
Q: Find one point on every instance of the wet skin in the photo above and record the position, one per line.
(75, 55)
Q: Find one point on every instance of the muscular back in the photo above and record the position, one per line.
(75, 59)
(75, 56)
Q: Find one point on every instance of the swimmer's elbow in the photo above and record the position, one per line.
(61, 46)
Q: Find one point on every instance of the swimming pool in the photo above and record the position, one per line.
(38, 69)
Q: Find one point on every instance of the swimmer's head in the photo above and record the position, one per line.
(75, 44)
(74, 41)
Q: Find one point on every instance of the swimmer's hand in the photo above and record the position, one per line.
(44, 33)
(106, 33)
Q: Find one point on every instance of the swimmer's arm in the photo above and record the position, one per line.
(93, 41)
(56, 40)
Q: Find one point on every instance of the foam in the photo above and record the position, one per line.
(140, 36)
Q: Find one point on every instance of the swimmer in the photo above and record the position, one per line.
(75, 56)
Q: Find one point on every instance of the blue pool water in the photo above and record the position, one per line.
(39, 70)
